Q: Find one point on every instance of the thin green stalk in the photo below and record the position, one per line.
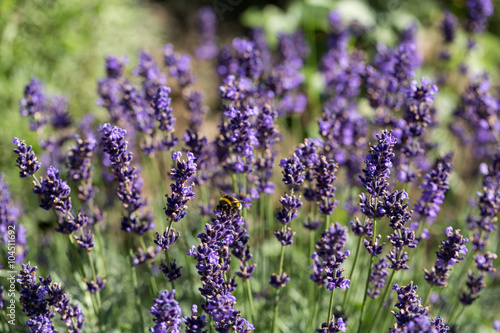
(98, 293)
(312, 301)
(428, 295)
(275, 309)
(387, 288)
(346, 294)
(363, 307)
(152, 279)
(138, 297)
(235, 183)
(330, 308)
(167, 259)
(361, 320)
(455, 319)
(250, 300)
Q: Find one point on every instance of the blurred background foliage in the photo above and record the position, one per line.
(63, 44)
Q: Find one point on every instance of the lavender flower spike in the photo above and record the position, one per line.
(378, 164)
(167, 313)
(449, 254)
(176, 208)
(26, 161)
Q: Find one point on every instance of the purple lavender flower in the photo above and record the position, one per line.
(110, 88)
(378, 164)
(238, 135)
(267, 135)
(26, 161)
(488, 205)
(196, 323)
(434, 189)
(54, 192)
(130, 183)
(213, 258)
(95, 286)
(143, 256)
(293, 171)
(33, 104)
(449, 26)
(41, 301)
(179, 66)
(412, 316)
(477, 118)
(475, 283)
(152, 76)
(277, 281)
(344, 131)
(449, 254)
(290, 206)
(60, 117)
(194, 100)
(377, 278)
(333, 326)
(324, 174)
(176, 208)
(164, 115)
(207, 28)
(478, 13)
(167, 313)
(11, 232)
(329, 256)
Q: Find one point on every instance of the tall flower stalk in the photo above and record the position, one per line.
(293, 175)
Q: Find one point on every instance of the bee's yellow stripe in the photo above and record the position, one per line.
(226, 200)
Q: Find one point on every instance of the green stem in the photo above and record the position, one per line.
(235, 184)
(330, 308)
(152, 279)
(275, 310)
(363, 307)
(346, 294)
(457, 317)
(314, 309)
(387, 288)
(428, 295)
(167, 259)
(138, 295)
(250, 300)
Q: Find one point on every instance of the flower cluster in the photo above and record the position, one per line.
(434, 189)
(41, 301)
(477, 119)
(378, 165)
(163, 113)
(377, 278)
(33, 104)
(412, 316)
(329, 255)
(475, 284)
(213, 262)
(449, 254)
(26, 161)
(207, 25)
(129, 191)
(12, 233)
(110, 88)
(478, 12)
(79, 162)
(333, 326)
(488, 205)
(176, 208)
(167, 313)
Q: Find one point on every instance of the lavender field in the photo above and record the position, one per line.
(295, 166)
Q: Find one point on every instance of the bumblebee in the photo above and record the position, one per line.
(229, 204)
